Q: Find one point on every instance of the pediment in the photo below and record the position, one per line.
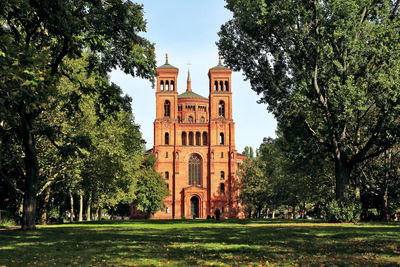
(194, 188)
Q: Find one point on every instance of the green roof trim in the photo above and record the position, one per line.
(191, 95)
(167, 66)
(220, 67)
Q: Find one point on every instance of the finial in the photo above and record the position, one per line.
(219, 59)
(188, 75)
(166, 58)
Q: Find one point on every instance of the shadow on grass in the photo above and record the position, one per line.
(201, 242)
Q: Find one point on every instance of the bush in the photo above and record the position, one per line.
(347, 210)
(6, 222)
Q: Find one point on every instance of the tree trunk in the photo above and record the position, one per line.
(80, 207)
(273, 214)
(45, 205)
(293, 212)
(385, 208)
(303, 211)
(89, 211)
(71, 199)
(61, 211)
(342, 175)
(99, 214)
(31, 170)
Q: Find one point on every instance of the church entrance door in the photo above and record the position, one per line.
(194, 207)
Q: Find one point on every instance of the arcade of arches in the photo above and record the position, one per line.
(194, 143)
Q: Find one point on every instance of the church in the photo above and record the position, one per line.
(194, 145)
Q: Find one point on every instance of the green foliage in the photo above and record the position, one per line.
(4, 222)
(150, 191)
(254, 187)
(328, 70)
(342, 211)
(150, 161)
(36, 39)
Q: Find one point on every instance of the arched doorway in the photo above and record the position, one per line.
(194, 207)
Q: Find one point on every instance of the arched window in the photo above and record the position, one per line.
(172, 86)
(202, 119)
(167, 108)
(179, 118)
(215, 86)
(221, 138)
(156, 155)
(190, 119)
(221, 86)
(166, 175)
(167, 85)
(166, 155)
(162, 85)
(205, 138)
(221, 109)
(167, 138)
(222, 155)
(226, 86)
(194, 170)
(184, 142)
(191, 143)
(222, 176)
(222, 188)
(198, 139)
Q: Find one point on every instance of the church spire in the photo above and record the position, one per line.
(189, 86)
(166, 58)
(219, 59)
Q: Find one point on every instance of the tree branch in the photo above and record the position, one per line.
(312, 132)
(360, 156)
(394, 11)
(14, 186)
(57, 61)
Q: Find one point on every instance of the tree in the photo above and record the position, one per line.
(35, 39)
(254, 188)
(102, 152)
(150, 188)
(333, 66)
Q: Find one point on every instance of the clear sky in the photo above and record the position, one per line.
(187, 31)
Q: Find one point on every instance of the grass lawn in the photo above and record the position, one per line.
(201, 242)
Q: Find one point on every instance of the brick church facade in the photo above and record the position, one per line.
(194, 144)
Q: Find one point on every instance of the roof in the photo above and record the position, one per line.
(191, 95)
(220, 67)
(167, 66)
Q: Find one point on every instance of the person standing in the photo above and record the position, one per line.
(217, 214)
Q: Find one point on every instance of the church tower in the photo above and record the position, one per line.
(222, 130)
(166, 103)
